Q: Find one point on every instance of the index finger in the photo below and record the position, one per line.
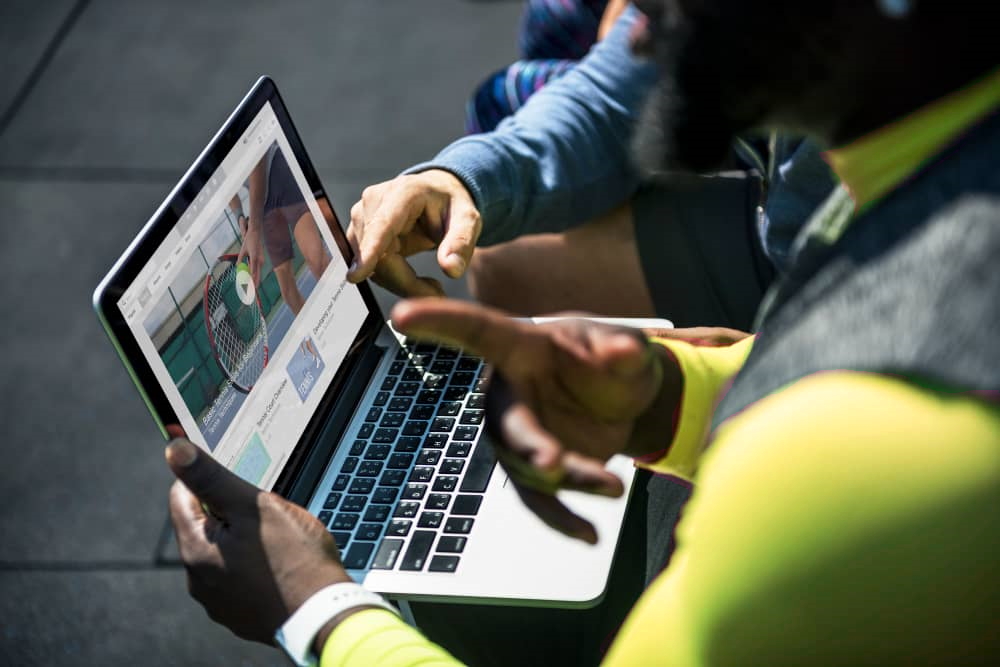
(483, 331)
(396, 212)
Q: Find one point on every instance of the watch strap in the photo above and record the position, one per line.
(296, 635)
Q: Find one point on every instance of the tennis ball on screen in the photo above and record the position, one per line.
(243, 267)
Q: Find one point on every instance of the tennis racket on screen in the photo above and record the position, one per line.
(237, 330)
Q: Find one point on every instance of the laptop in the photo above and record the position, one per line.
(249, 337)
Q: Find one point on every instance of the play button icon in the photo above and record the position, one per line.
(244, 285)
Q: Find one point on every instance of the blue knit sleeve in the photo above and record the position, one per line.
(564, 157)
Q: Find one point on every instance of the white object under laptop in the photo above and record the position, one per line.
(297, 400)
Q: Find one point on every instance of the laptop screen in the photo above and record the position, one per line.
(244, 313)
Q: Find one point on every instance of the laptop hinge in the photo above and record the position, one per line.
(355, 385)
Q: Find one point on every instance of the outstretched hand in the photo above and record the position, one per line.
(410, 214)
(565, 396)
(252, 558)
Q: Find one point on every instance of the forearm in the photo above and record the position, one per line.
(564, 157)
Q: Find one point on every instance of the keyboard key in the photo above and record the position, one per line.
(388, 383)
(452, 466)
(416, 553)
(413, 375)
(438, 501)
(350, 463)
(428, 397)
(422, 474)
(477, 401)
(463, 378)
(455, 393)
(407, 389)
(399, 527)
(414, 492)
(324, 517)
(392, 478)
(368, 532)
(460, 449)
(385, 495)
(415, 428)
(358, 447)
(421, 359)
(378, 452)
(481, 385)
(362, 485)
(388, 552)
(446, 483)
(396, 367)
(383, 435)
(443, 564)
(428, 457)
(422, 412)
(358, 555)
(459, 524)
(442, 367)
(381, 398)
(465, 433)
(432, 381)
(468, 364)
(407, 444)
(436, 441)
(341, 482)
(344, 521)
(366, 430)
(481, 466)
(341, 538)
(354, 503)
(369, 469)
(393, 419)
(373, 414)
(400, 404)
(447, 353)
(400, 461)
(473, 417)
(406, 510)
(430, 520)
(451, 544)
(449, 408)
(377, 512)
(466, 505)
(331, 502)
(442, 424)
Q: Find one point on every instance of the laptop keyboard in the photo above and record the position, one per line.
(407, 495)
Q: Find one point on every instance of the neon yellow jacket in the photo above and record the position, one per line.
(868, 527)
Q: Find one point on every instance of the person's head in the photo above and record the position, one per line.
(833, 69)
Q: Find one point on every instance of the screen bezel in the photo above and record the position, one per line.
(152, 235)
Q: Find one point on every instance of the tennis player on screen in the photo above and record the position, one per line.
(278, 211)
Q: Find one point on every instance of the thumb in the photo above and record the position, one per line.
(462, 228)
(223, 491)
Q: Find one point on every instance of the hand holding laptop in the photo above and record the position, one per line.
(254, 558)
(565, 397)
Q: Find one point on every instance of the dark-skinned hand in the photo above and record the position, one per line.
(252, 557)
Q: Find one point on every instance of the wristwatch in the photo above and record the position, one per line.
(296, 636)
